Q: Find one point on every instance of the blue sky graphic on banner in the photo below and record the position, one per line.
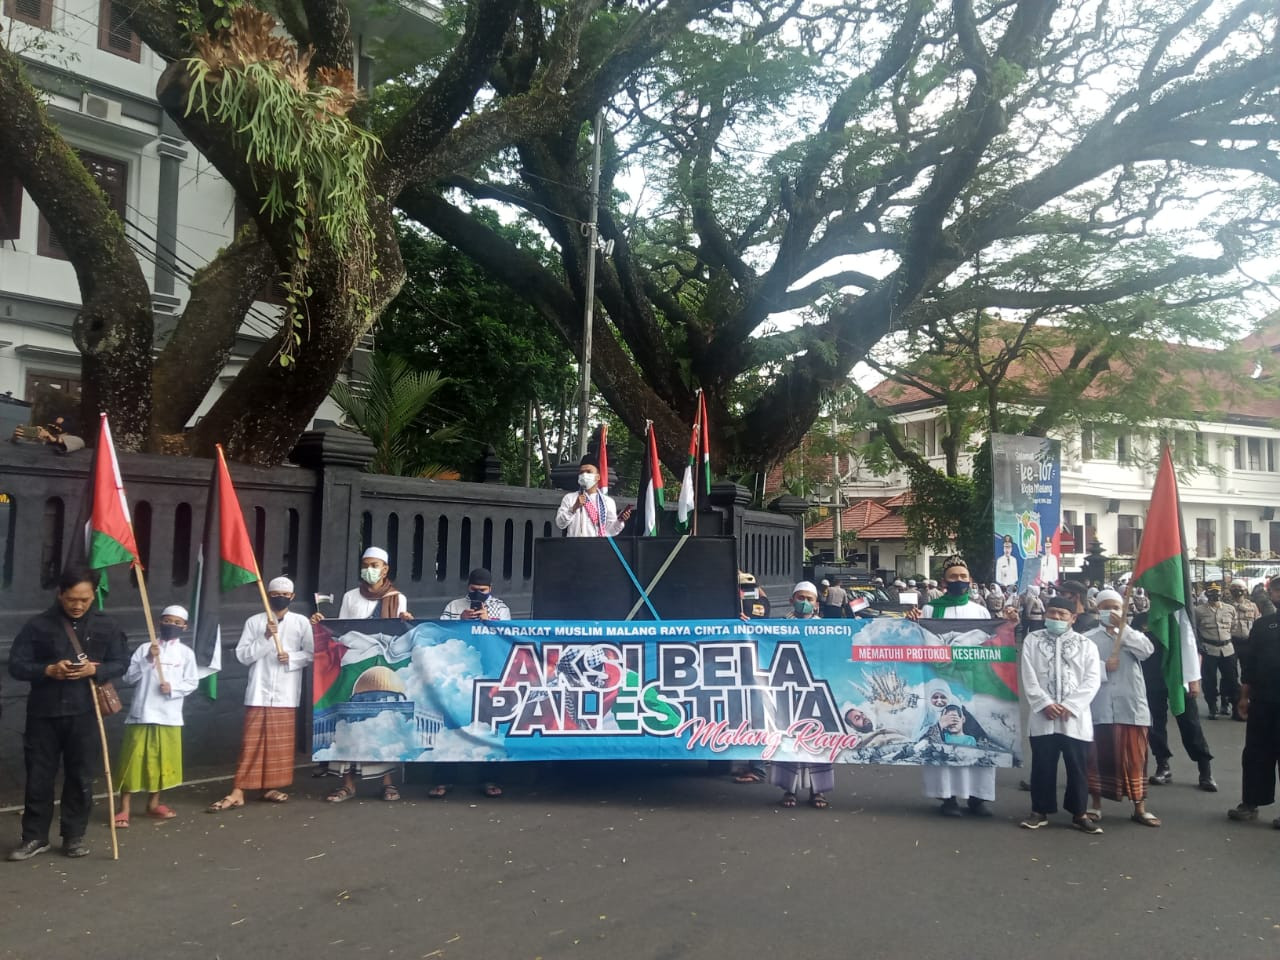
(1027, 488)
(853, 691)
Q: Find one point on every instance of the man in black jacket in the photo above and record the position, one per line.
(61, 728)
(1259, 704)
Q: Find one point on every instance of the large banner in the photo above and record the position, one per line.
(886, 690)
(1027, 487)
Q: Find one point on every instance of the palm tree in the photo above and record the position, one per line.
(388, 408)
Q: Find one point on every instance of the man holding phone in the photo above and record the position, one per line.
(61, 729)
(479, 603)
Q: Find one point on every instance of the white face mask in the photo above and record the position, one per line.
(370, 575)
(586, 480)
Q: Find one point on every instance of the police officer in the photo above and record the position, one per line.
(1260, 705)
(1246, 613)
(1215, 623)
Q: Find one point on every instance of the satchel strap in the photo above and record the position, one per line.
(75, 641)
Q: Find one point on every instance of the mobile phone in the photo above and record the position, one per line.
(477, 604)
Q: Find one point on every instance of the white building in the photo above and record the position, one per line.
(1229, 484)
(100, 85)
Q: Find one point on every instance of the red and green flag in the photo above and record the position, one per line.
(704, 489)
(104, 516)
(694, 494)
(1162, 570)
(225, 561)
(652, 496)
(604, 459)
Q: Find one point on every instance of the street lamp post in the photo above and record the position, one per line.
(590, 230)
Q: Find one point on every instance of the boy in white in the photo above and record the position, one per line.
(271, 697)
(1061, 673)
(151, 753)
(590, 512)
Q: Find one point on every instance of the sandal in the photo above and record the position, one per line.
(818, 802)
(226, 803)
(390, 792)
(1146, 818)
(491, 790)
(438, 791)
(160, 812)
(788, 800)
(341, 795)
(275, 796)
(1095, 814)
(750, 776)
(122, 820)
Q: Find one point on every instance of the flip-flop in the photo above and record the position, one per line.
(819, 802)
(1146, 818)
(122, 821)
(1094, 814)
(492, 791)
(788, 800)
(438, 792)
(751, 776)
(220, 806)
(275, 796)
(161, 812)
(390, 792)
(341, 795)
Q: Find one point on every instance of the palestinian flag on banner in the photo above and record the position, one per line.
(652, 497)
(225, 561)
(104, 515)
(1162, 570)
(688, 499)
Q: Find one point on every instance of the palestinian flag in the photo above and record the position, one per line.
(1162, 570)
(652, 498)
(104, 515)
(604, 458)
(687, 503)
(225, 561)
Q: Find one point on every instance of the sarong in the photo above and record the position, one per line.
(266, 752)
(150, 758)
(1118, 762)
(794, 777)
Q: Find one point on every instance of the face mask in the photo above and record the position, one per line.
(279, 604)
(1056, 627)
(370, 575)
(957, 588)
(477, 596)
(586, 480)
(1214, 596)
(802, 607)
(170, 631)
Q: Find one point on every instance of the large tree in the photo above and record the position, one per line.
(853, 161)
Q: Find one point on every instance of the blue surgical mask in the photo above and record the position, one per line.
(1056, 627)
(957, 588)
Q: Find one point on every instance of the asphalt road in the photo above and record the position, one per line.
(645, 861)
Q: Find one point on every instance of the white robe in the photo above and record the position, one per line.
(1064, 669)
(979, 782)
(272, 683)
(578, 523)
(355, 606)
(149, 705)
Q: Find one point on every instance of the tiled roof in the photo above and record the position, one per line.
(891, 527)
(855, 517)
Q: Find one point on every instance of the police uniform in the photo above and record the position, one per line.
(1214, 623)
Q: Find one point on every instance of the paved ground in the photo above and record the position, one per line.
(657, 862)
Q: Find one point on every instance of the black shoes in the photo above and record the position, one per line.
(950, 808)
(74, 847)
(28, 850)
(1163, 775)
(1242, 812)
(1207, 783)
(978, 807)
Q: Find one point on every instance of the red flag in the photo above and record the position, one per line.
(604, 458)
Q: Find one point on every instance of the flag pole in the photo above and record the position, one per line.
(146, 612)
(272, 622)
(106, 763)
(697, 462)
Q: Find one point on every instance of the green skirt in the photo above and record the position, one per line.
(150, 758)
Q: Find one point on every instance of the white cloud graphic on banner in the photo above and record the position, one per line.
(441, 677)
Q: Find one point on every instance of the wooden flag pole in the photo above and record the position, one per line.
(272, 622)
(697, 460)
(106, 763)
(146, 612)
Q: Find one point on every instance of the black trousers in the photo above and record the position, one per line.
(48, 743)
(1045, 751)
(1226, 668)
(1261, 757)
(1188, 723)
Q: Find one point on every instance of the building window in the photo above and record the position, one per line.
(68, 384)
(1274, 529)
(1247, 543)
(112, 176)
(10, 207)
(1128, 534)
(1124, 451)
(114, 34)
(1072, 522)
(1090, 531)
(38, 13)
(1206, 537)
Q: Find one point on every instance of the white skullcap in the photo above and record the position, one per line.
(1105, 595)
(280, 585)
(804, 586)
(826, 583)
(173, 610)
(376, 553)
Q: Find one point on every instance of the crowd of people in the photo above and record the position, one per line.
(1090, 676)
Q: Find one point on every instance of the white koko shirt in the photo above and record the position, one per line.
(272, 683)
